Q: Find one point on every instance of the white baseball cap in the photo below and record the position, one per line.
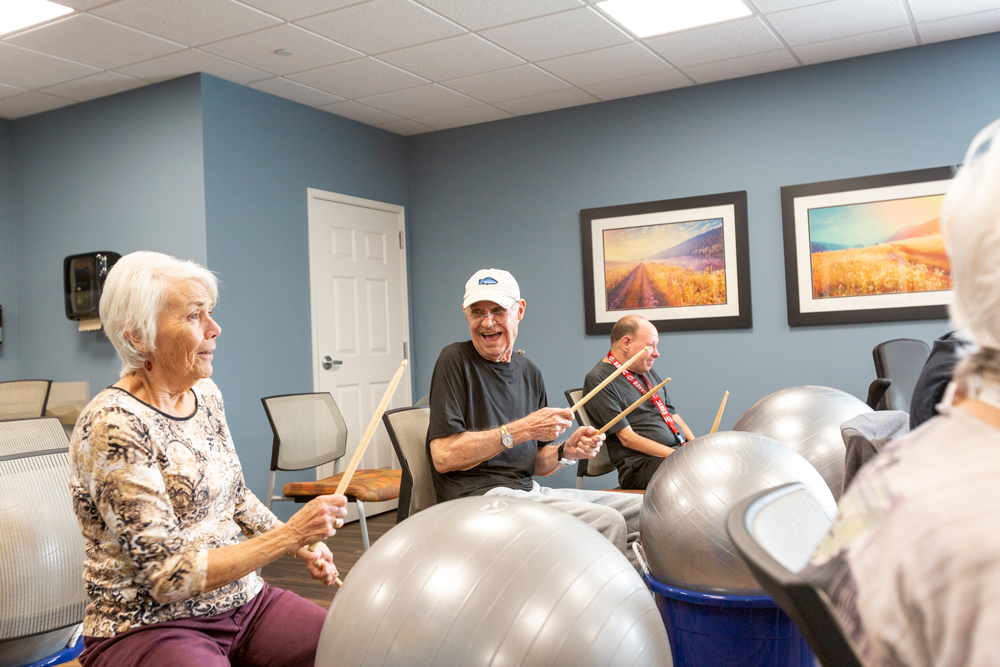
(494, 285)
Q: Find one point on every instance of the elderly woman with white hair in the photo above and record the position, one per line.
(912, 561)
(161, 500)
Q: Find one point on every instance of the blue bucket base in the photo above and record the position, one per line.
(713, 630)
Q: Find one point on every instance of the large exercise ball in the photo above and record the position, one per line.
(683, 517)
(808, 420)
(493, 581)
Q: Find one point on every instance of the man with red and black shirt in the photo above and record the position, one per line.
(639, 443)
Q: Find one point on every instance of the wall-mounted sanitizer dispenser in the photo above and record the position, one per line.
(83, 280)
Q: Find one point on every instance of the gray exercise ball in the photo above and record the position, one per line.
(808, 420)
(683, 516)
(493, 581)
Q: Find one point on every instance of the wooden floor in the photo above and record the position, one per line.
(289, 573)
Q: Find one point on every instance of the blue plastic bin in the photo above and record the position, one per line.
(728, 630)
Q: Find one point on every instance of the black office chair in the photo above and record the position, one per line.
(776, 532)
(899, 361)
(407, 428)
(600, 464)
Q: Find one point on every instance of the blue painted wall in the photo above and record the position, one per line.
(9, 367)
(261, 154)
(508, 194)
(121, 173)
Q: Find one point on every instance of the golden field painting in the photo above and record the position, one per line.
(658, 266)
(887, 247)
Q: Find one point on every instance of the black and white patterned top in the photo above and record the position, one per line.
(153, 493)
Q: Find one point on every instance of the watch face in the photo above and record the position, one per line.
(507, 440)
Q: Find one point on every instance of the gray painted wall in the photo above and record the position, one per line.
(121, 173)
(9, 367)
(508, 194)
(261, 154)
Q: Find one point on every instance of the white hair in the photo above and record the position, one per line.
(133, 296)
(970, 223)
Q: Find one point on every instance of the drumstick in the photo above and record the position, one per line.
(718, 416)
(595, 390)
(626, 411)
(366, 438)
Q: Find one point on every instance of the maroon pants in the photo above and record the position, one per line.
(275, 629)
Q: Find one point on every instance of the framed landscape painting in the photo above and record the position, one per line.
(683, 264)
(866, 249)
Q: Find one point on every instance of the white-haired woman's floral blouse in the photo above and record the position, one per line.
(153, 493)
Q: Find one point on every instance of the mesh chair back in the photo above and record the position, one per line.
(776, 532)
(901, 361)
(600, 464)
(309, 430)
(25, 436)
(23, 399)
(41, 548)
(407, 428)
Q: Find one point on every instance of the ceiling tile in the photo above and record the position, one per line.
(187, 62)
(721, 41)
(559, 99)
(216, 19)
(257, 50)
(935, 10)
(480, 14)
(960, 26)
(88, 39)
(859, 45)
(833, 20)
(451, 58)
(615, 62)
(10, 91)
(406, 127)
(94, 86)
(357, 78)
(291, 10)
(419, 101)
(360, 112)
(639, 85)
(30, 103)
(28, 69)
(558, 35)
(295, 92)
(737, 67)
(768, 6)
(507, 84)
(481, 114)
(382, 25)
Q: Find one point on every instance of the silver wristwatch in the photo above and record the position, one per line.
(506, 439)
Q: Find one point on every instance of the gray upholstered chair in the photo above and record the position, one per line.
(42, 595)
(23, 399)
(600, 464)
(407, 429)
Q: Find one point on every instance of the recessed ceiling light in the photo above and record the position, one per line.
(18, 14)
(284, 52)
(646, 18)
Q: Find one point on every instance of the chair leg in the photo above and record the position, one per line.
(579, 482)
(364, 524)
(270, 489)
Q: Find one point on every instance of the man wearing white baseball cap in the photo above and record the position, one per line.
(491, 430)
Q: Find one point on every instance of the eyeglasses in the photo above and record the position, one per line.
(477, 315)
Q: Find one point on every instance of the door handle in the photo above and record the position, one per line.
(329, 363)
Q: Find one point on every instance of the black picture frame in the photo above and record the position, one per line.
(729, 207)
(798, 200)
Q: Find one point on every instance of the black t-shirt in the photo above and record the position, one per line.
(934, 378)
(645, 420)
(470, 393)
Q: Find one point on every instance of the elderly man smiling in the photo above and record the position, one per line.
(491, 430)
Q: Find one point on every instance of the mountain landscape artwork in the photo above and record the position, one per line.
(883, 247)
(665, 265)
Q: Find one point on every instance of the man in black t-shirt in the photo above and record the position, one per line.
(490, 431)
(639, 443)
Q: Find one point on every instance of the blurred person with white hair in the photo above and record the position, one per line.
(160, 497)
(912, 561)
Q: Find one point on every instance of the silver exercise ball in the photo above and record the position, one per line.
(493, 581)
(683, 517)
(808, 420)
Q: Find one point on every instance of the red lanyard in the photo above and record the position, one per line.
(657, 400)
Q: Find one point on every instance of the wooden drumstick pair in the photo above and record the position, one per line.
(365, 439)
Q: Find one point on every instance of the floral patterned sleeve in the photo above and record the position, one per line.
(252, 515)
(129, 491)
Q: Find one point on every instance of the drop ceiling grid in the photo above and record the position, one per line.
(417, 65)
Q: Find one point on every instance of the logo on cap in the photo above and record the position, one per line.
(487, 281)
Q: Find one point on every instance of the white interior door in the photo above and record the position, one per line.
(357, 271)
